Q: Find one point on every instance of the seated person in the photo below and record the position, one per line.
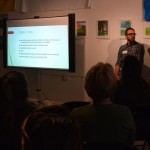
(102, 121)
(132, 91)
(14, 107)
(50, 128)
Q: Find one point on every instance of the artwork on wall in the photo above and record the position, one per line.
(2, 18)
(81, 28)
(146, 29)
(123, 25)
(146, 10)
(102, 29)
(7, 5)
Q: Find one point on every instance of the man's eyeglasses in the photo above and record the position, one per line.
(132, 34)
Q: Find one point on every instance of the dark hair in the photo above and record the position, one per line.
(126, 31)
(13, 95)
(50, 128)
(100, 81)
(14, 84)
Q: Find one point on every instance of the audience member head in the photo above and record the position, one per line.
(131, 68)
(13, 93)
(50, 128)
(14, 86)
(100, 82)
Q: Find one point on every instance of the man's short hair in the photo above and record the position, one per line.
(126, 31)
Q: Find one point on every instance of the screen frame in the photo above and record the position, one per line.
(71, 42)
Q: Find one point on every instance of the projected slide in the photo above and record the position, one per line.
(38, 46)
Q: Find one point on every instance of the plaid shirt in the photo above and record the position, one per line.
(136, 49)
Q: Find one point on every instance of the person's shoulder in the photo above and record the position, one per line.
(121, 108)
(123, 46)
(82, 109)
(139, 44)
(28, 107)
(123, 112)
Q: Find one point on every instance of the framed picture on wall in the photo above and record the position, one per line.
(102, 28)
(81, 28)
(146, 29)
(123, 25)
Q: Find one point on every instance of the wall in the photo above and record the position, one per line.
(64, 86)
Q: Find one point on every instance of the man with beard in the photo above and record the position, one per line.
(130, 48)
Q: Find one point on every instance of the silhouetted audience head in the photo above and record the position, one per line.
(50, 128)
(13, 108)
(13, 94)
(14, 85)
(100, 82)
(131, 68)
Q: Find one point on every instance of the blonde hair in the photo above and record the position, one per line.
(100, 81)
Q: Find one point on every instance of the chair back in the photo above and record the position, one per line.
(70, 105)
(107, 146)
(142, 122)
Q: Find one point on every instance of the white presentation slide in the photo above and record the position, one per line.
(39, 46)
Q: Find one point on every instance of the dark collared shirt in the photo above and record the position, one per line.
(136, 49)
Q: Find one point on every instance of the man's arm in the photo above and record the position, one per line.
(117, 71)
(140, 54)
(118, 63)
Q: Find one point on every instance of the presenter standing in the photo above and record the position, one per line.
(130, 48)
